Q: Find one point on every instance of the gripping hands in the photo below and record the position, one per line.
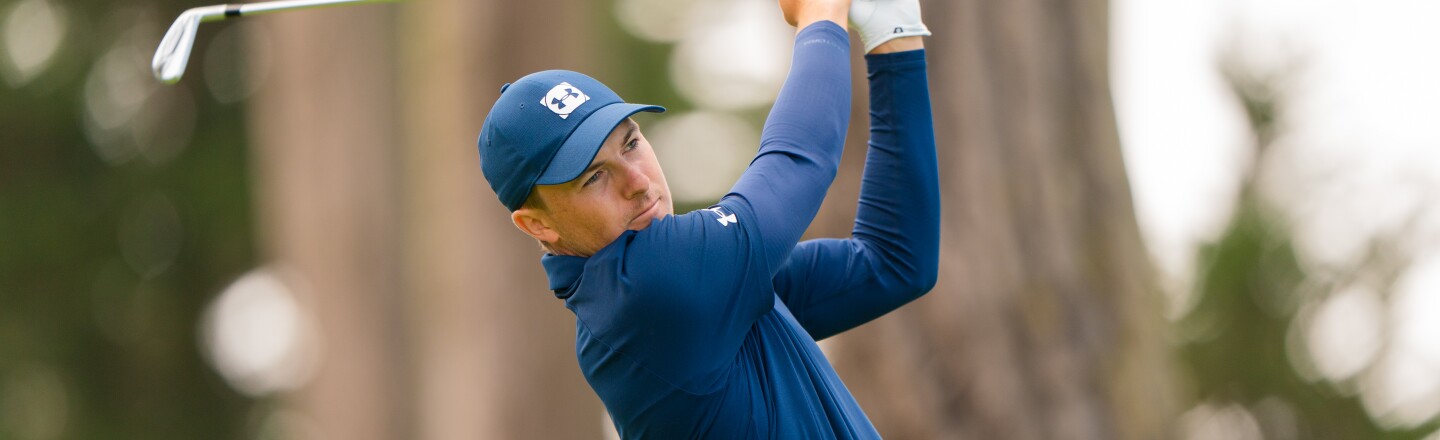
(879, 21)
(801, 13)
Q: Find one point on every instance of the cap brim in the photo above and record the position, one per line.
(580, 148)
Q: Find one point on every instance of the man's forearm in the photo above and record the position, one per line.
(899, 209)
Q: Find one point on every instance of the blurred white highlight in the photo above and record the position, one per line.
(736, 58)
(1210, 422)
(703, 153)
(1345, 333)
(258, 337)
(660, 21)
(1416, 308)
(127, 115)
(1403, 390)
(33, 31)
(1184, 139)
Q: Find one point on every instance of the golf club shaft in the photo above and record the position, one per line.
(245, 9)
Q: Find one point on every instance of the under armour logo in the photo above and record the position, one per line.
(725, 219)
(899, 29)
(563, 99)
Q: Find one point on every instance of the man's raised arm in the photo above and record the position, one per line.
(804, 135)
(893, 255)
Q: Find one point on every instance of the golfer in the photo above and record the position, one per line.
(703, 325)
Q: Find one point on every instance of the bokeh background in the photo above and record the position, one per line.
(1163, 219)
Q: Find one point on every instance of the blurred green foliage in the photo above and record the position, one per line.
(95, 294)
(1250, 287)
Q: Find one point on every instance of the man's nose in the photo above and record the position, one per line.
(637, 184)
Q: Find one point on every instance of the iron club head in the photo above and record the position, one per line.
(174, 51)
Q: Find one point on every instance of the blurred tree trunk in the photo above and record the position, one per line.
(1046, 321)
(494, 348)
(324, 137)
(434, 315)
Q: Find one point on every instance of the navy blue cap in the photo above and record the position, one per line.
(545, 129)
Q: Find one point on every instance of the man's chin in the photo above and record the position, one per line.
(641, 223)
(649, 215)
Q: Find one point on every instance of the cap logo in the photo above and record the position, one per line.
(563, 99)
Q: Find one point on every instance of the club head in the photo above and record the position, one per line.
(174, 51)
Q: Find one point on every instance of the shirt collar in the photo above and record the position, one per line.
(564, 271)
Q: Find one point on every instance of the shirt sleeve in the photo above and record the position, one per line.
(801, 143)
(892, 257)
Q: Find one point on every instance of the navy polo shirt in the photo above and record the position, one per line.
(704, 325)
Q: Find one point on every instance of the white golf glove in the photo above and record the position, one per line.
(879, 21)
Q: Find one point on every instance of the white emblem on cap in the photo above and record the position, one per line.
(563, 99)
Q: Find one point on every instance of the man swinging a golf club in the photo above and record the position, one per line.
(703, 325)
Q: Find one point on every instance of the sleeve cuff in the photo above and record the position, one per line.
(824, 31)
(895, 60)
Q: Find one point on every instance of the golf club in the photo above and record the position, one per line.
(174, 51)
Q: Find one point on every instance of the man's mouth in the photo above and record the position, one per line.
(647, 214)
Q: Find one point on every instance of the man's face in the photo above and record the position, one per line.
(622, 189)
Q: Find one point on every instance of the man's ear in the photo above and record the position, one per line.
(534, 223)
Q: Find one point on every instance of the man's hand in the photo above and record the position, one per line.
(802, 13)
(879, 21)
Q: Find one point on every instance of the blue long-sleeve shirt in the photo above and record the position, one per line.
(703, 325)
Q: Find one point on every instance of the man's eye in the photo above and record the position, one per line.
(593, 178)
(633, 143)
